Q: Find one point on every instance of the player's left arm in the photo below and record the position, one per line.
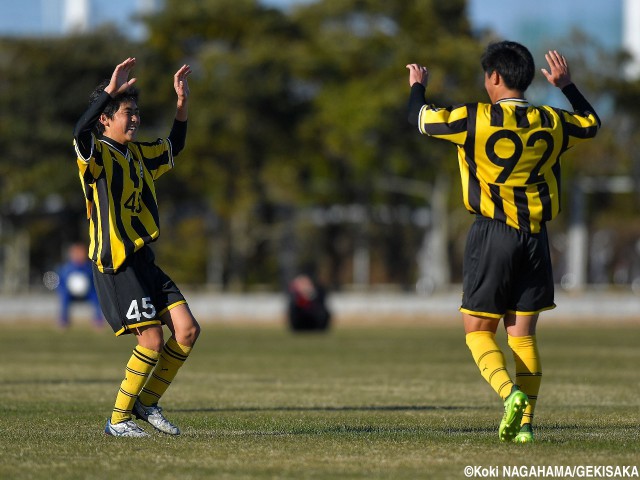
(178, 135)
(584, 116)
(559, 76)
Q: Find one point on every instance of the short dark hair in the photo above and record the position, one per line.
(512, 61)
(130, 95)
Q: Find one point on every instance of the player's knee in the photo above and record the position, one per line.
(152, 344)
(151, 337)
(194, 331)
(189, 334)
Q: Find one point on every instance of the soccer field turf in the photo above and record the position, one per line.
(363, 401)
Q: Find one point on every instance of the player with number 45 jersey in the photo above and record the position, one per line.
(509, 157)
(118, 177)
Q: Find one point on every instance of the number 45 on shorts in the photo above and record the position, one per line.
(146, 309)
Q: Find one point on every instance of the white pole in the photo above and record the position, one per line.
(631, 36)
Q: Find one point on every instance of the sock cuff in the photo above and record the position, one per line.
(521, 342)
(471, 337)
(152, 354)
(176, 350)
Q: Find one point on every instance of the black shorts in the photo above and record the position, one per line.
(137, 294)
(506, 271)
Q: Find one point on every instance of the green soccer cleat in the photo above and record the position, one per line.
(525, 435)
(514, 407)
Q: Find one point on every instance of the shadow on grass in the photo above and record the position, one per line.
(550, 432)
(360, 430)
(453, 429)
(346, 408)
(60, 381)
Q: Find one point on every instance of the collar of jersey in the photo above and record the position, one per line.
(118, 147)
(519, 102)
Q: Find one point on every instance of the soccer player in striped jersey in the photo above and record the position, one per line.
(509, 158)
(118, 177)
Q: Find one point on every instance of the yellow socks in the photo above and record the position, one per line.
(490, 361)
(138, 369)
(172, 357)
(140, 382)
(528, 370)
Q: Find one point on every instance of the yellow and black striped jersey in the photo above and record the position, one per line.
(121, 198)
(509, 155)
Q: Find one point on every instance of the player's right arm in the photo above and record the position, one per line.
(82, 133)
(418, 79)
(119, 83)
(445, 123)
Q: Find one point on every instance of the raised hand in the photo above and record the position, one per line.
(559, 76)
(180, 83)
(120, 80)
(418, 74)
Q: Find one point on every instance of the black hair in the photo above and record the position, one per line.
(512, 61)
(130, 95)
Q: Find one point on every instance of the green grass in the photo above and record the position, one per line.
(381, 401)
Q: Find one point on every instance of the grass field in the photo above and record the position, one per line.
(255, 401)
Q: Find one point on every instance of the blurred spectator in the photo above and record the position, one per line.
(307, 307)
(76, 285)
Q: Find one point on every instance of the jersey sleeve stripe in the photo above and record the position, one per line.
(443, 129)
(170, 151)
(579, 131)
(443, 122)
(79, 155)
(420, 122)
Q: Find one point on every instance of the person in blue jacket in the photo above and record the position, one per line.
(76, 285)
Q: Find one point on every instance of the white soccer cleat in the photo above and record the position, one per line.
(124, 429)
(153, 415)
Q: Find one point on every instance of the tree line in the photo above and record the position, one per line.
(299, 155)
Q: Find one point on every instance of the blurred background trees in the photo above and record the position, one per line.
(299, 154)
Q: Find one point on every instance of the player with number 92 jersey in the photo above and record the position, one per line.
(509, 155)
